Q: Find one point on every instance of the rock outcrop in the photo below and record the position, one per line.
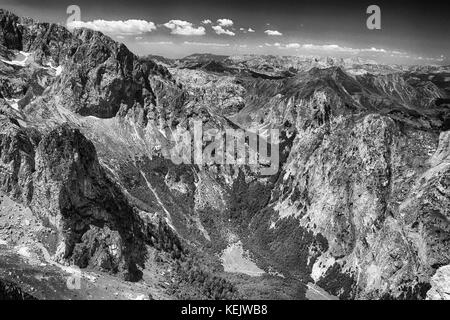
(58, 175)
(440, 285)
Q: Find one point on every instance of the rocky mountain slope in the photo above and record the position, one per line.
(359, 208)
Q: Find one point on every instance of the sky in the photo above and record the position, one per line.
(411, 32)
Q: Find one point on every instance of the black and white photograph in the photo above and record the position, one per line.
(219, 156)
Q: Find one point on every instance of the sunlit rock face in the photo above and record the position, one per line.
(359, 205)
(440, 285)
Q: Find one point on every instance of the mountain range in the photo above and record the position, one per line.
(359, 208)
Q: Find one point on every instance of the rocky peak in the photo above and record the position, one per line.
(10, 34)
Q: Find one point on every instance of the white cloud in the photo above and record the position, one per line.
(158, 42)
(206, 21)
(246, 30)
(127, 27)
(207, 44)
(338, 48)
(273, 33)
(325, 47)
(374, 50)
(331, 47)
(220, 30)
(293, 45)
(334, 47)
(225, 22)
(184, 28)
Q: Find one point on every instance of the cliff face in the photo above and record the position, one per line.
(351, 180)
(59, 177)
(71, 190)
(359, 205)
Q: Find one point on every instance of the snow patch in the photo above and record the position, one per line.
(24, 252)
(20, 60)
(320, 267)
(286, 209)
(374, 277)
(14, 103)
(168, 217)
(58, 70)
(357, 72)
(236, 260)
